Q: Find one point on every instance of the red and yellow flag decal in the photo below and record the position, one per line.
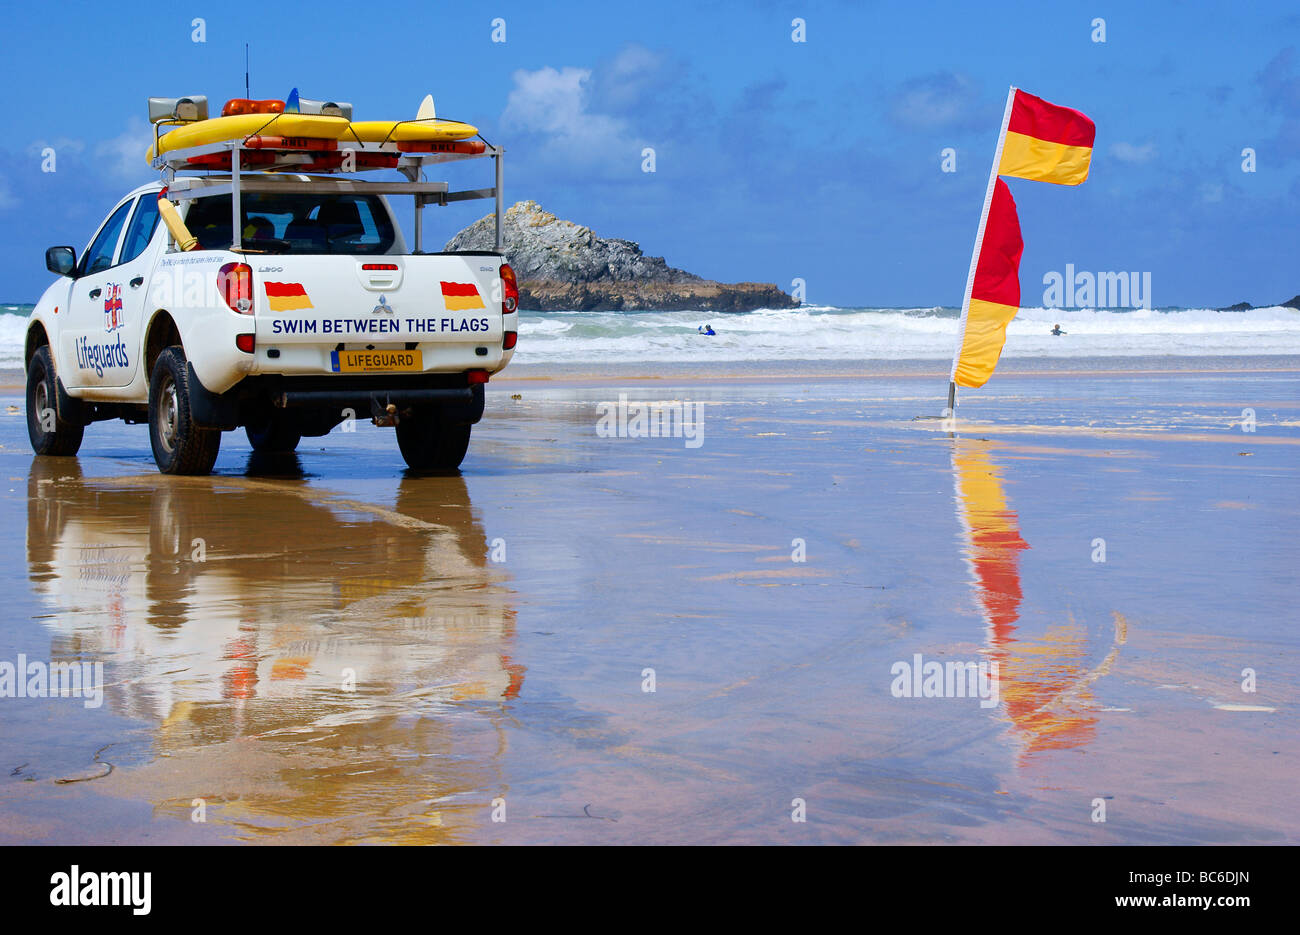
(461, 296)
(1046, 143)
(286, 296)
(995, 292)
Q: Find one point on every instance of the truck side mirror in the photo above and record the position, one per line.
(61, 260)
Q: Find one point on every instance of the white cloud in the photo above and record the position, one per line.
(941, 101)
(122, 157)
(1128, 152)
(555, 105)
(64, 145)
(625, 81)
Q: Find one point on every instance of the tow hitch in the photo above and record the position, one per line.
(384, 414)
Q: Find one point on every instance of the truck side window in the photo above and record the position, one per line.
(99, 255)
(143, 224)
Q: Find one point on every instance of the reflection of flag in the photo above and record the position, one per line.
(993, 538)
(286, 296)
(461, 296)
(1043, 683)
(995, 292)
(1046, 143)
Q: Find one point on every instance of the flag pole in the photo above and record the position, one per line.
(975, 254)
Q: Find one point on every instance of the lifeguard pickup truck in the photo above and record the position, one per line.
(278, 294)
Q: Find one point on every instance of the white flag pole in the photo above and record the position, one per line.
(975, 254)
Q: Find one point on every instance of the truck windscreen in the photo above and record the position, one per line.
(295, 223)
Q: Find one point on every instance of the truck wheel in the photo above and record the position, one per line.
(179, 446)
(49, 434)
(429, 442)
(277, 434)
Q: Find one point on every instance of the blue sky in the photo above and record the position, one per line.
(774, 159)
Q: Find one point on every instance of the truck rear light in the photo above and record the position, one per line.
(510, 291)
(246, 342)
(512, 337)
(235, 283)
(389, 266)
(477, 376)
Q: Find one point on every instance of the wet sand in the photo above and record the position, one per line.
(328, 650)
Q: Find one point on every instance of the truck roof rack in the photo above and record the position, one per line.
(260, 163)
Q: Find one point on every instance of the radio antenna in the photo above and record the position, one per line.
(247, 93)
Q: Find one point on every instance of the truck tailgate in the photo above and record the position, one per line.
(377, 300)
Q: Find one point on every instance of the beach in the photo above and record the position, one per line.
(720, 635)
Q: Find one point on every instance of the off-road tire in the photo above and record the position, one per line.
(277, 434)
(430, 442)
(64, 439)
(179, 446)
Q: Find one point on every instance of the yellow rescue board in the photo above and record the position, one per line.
(219, 129)
(408, 131)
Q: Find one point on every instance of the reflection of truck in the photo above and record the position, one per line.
(294, 305)
(232, 651)
(178, 589)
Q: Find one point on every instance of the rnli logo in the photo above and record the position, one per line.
(383, 308)
(112, 307)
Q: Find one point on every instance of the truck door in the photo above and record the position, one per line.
(137, 260)
(101, 336)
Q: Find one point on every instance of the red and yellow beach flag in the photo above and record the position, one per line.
(461, 296)
(286, 296)
(1039, 141)
(995, 292)
(1045, 142)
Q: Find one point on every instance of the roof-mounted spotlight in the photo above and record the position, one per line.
(325, 108)
(178, 109)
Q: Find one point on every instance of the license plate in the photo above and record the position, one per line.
(377, 361)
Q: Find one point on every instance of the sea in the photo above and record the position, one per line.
(829, 333)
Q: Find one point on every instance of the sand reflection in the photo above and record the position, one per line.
(315, 669)
(1044, 676)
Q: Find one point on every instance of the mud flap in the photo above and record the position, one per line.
(469, 411)
(211, 410)
(68, 408)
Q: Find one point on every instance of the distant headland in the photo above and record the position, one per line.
(1293, 302)
(562, 265)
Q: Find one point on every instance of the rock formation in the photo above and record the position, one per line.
(561, 265)
(1246, 306)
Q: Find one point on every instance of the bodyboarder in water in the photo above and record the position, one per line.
(1056, 329)
(706, 330)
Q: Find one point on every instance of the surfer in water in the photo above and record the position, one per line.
(1056, 330)
(706, 330)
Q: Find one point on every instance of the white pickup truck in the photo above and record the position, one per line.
(299, 307)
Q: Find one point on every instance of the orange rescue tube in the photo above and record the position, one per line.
(289, 142)
(467, 147)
